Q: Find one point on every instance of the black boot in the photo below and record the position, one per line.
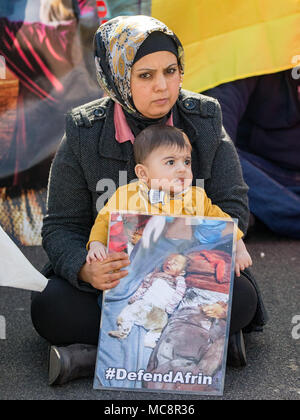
(236, 355)
(71, 362)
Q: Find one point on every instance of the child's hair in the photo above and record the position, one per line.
(155, 136)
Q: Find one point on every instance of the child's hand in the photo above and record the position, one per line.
(97, 251)
(215, 310)
(242, 259)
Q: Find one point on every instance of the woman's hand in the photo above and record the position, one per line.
(104, 275)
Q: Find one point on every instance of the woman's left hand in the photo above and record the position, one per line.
(106, 274)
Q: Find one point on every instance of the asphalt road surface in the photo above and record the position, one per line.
(272, 371)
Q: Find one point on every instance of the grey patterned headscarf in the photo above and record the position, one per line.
(116, 44)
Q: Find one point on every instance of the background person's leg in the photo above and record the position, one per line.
(276, 204)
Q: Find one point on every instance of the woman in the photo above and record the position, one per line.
(139, 64)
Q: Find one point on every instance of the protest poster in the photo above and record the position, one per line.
(165, 326)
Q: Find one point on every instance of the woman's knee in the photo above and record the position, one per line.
(43, 311)
(63, 314)
(244, 304)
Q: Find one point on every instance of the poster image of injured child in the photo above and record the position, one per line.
(158, 296)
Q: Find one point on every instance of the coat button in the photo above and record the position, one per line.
(99, 112)
(189, 104)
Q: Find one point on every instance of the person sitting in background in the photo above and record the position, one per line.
(262, 116)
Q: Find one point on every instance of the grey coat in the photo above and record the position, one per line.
(86, 171)
(87, 166)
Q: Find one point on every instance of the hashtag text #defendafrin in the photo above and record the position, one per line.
(121, 374)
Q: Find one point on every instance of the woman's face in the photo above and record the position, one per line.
(155, 82)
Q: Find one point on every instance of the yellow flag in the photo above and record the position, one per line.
(226, 40)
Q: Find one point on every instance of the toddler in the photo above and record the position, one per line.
(163, 168)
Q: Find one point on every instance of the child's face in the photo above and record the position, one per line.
(174, 265)
(168, 168)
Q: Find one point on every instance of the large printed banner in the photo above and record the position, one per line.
(45, 52)
(47, 68)
(226, 40)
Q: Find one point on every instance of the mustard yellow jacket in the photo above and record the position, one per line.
(134, 197)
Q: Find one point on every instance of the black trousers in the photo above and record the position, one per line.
(64, 315)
